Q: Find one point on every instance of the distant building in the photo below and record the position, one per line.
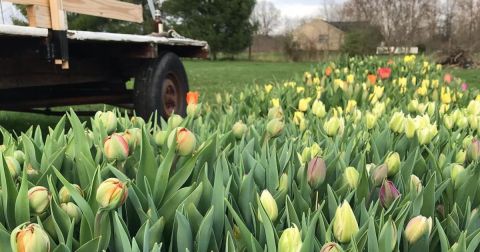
(320, 35)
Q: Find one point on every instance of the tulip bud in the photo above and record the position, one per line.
(72, 210)
(275, 127)
(133, 137)
(332, 126)
(417, 227)
(283, 183)
(65, 196)
(275, 113)
(316, 172)
(415, 184)
(371, 120)
(396, 123)
(290, 240)
(473, 151)
(460, 157)
(462, 122)
(137, 122)
(318, 109)
(456, 172)
(185, 141)
(431, 108)
(239, 129)
(39, 199)
(193, 109)
(111, 194)
(269, 204)
(448, 121)
(379, 174)
(160, 137)
(13, 166)
(389, 228)
(410, 127)
(331, 247)
(388, 193)
(344, 223)
(441, 160)
(370, 167)
(108, 120)
(174, 121)
(32, 173)
(19, 156)
(29, 238)
(315, 150)
(351, 177)
(393, 163)
(412, 106)
(115, 148)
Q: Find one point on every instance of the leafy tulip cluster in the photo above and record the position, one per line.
(361, 154)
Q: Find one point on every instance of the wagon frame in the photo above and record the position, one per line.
(47, 65)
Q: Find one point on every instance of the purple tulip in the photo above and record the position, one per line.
(388, 193)
(473, 151)
(316, 172)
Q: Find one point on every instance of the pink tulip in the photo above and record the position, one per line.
(464, 86)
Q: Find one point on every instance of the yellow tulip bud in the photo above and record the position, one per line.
(269, 204)
(393, 163)
(351, 177)
(418, 227)
(344, 223)
(290, 240)
(396, 122)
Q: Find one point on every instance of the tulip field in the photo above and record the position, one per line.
(359, 154)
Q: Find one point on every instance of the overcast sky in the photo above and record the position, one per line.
(289, 8)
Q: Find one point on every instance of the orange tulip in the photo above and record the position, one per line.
(372, 78)
(328, 71)
(192, 97)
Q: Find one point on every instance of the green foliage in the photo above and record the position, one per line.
(224, 24)
(91, 23)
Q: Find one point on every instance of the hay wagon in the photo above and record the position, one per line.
(46, 65)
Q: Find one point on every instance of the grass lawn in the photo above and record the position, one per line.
(210, 77)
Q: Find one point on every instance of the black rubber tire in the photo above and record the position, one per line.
(161, 86)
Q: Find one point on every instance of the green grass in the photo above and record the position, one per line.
(210, 77)
(470, 76)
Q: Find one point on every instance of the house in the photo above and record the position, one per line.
(320, 35)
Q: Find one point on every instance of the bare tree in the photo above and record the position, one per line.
(266, 16)
(401, 22)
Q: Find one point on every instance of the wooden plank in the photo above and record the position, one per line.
(39, 16)
(59, 23)
(101, 8)
(57, 15)
(106, 8)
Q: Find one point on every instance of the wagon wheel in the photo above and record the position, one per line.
(162, 86)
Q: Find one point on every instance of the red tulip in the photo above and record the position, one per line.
(384, 72)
